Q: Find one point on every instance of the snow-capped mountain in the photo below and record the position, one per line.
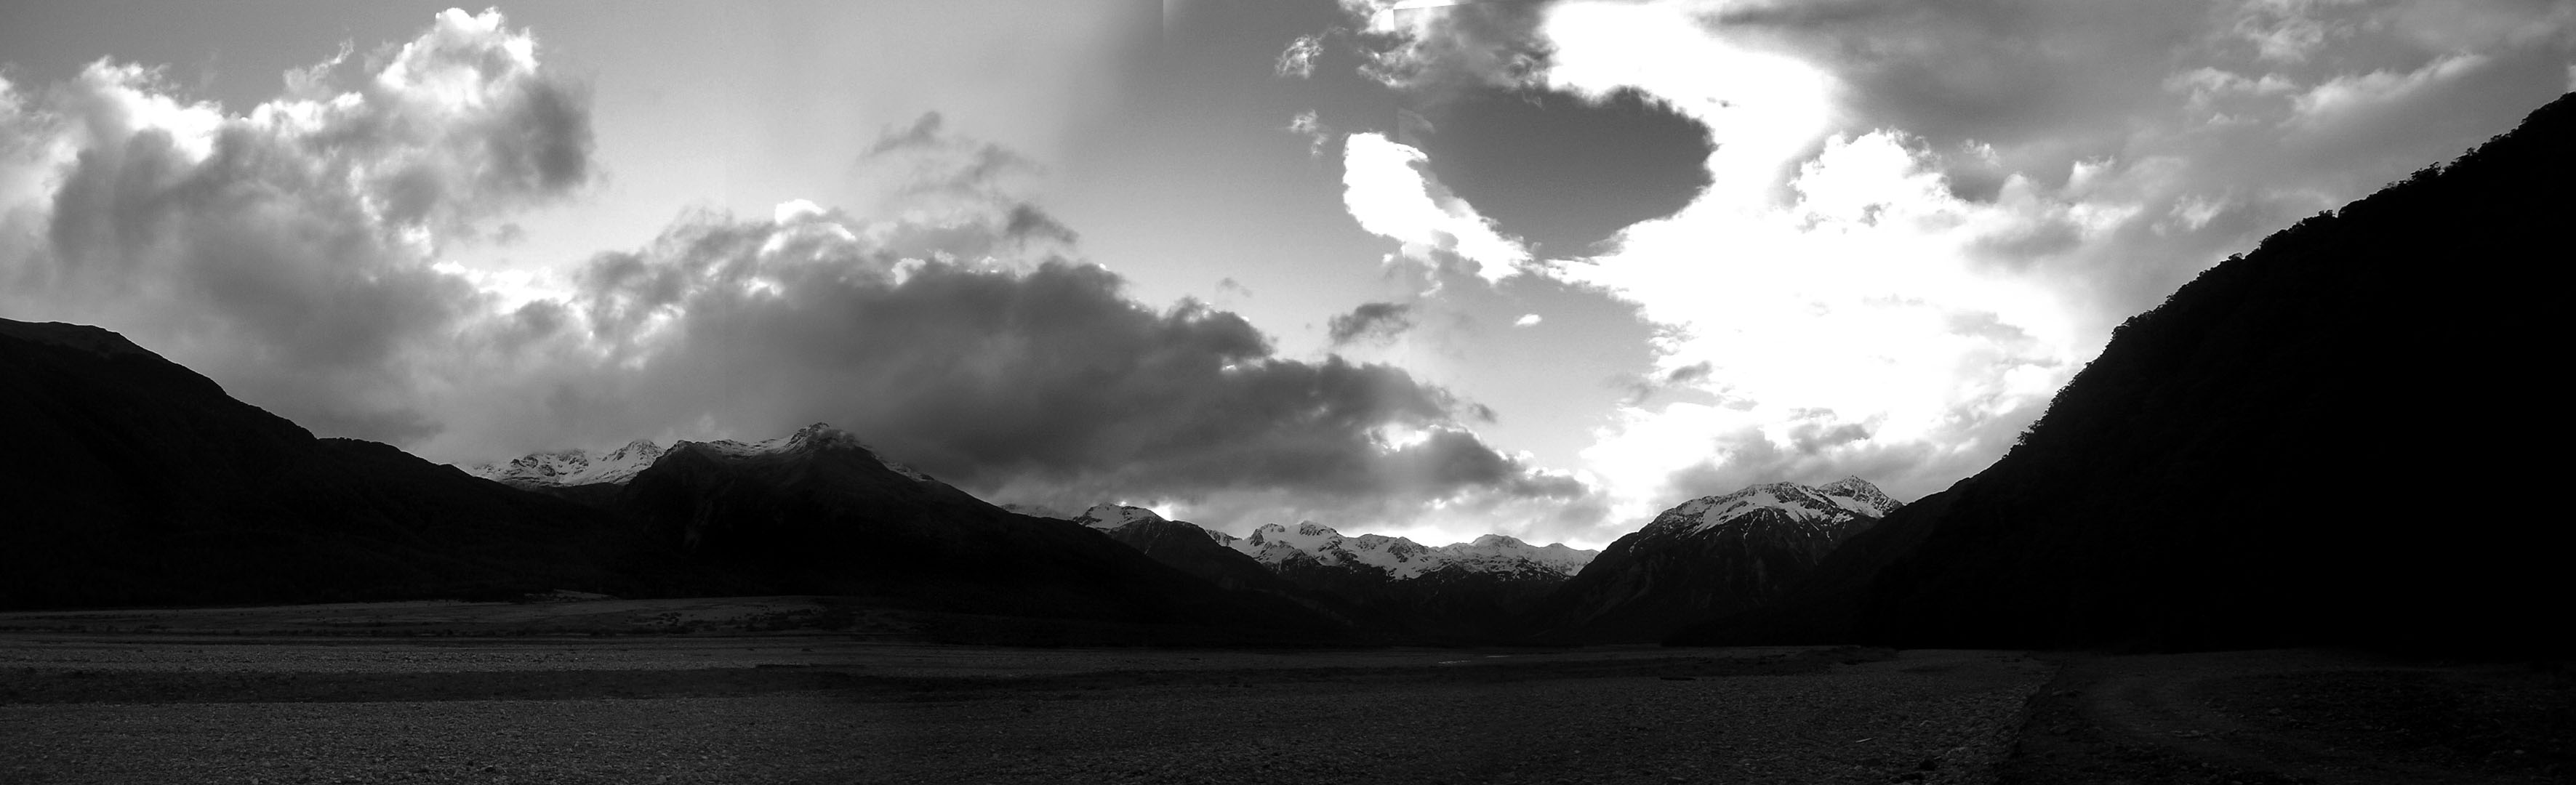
(1827, 508)
(1185, 546)
(1398, 558)
(1714, 555)
(1110, 517)
(577, 467)
(1401, 558)
(1467, 590)
(572, 467)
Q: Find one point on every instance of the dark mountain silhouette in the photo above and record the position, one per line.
(2330, 440)
(818, 512)
(1710, 556)
(133, 480)
(1390, 588)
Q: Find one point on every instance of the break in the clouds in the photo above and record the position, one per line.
(294, 253)
(1918, 220)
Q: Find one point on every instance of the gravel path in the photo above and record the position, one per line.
(1921, 716)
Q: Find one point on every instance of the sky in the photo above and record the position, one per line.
(1423, 268)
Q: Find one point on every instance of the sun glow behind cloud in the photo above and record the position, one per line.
(1850, 295)
(1850, 305)
(1917, 222)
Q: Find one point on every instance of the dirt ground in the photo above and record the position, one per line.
(2265, 717)
(799, 689)
(453, 693)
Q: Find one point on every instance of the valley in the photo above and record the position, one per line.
(756, 689)
(449, 692)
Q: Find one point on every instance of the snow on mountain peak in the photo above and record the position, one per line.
(812, 438)
(581, 467)
(573, 466)
(1113, 516)
(1402, 558)
(1835, 502)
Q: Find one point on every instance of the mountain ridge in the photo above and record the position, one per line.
(2359, 348)
(1712, 555)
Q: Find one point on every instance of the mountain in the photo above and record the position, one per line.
(1396, 588)
(1184, 546)
(133, 480)
(2330, 440)
(1714, 555)
(573, 467)
(1314, 545)
(820, 512)
(1461, 592)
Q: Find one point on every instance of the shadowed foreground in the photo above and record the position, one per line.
(289, 704)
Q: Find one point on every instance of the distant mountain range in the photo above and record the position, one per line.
(2330, 440)
(1481, 590)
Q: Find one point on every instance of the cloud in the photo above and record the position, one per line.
(1318, 135)
(1527, 320)
(1371, 322)
(1031, 378)
(1390, 191)
(1298, 60)
(1923, 218)
(2336, 101)
(289, 252)
(296, 254)
(1433, 50)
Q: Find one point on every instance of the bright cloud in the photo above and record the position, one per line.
(1389, 191)
(1834, 301)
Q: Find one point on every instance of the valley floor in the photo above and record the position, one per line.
(2298, 716)
(800, 689)
(439, 693)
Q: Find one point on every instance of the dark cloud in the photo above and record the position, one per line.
(287, 252)
(1564, 172)
(2067, 78)
(1371, 322)
(290, 255)
(992, 375)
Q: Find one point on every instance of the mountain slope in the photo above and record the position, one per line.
(132, 480)
(2312, 444)
(819, 512)
(1462, 592)
(1183, 546)
(1713, 555)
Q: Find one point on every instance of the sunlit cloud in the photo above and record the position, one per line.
(1389, 191)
